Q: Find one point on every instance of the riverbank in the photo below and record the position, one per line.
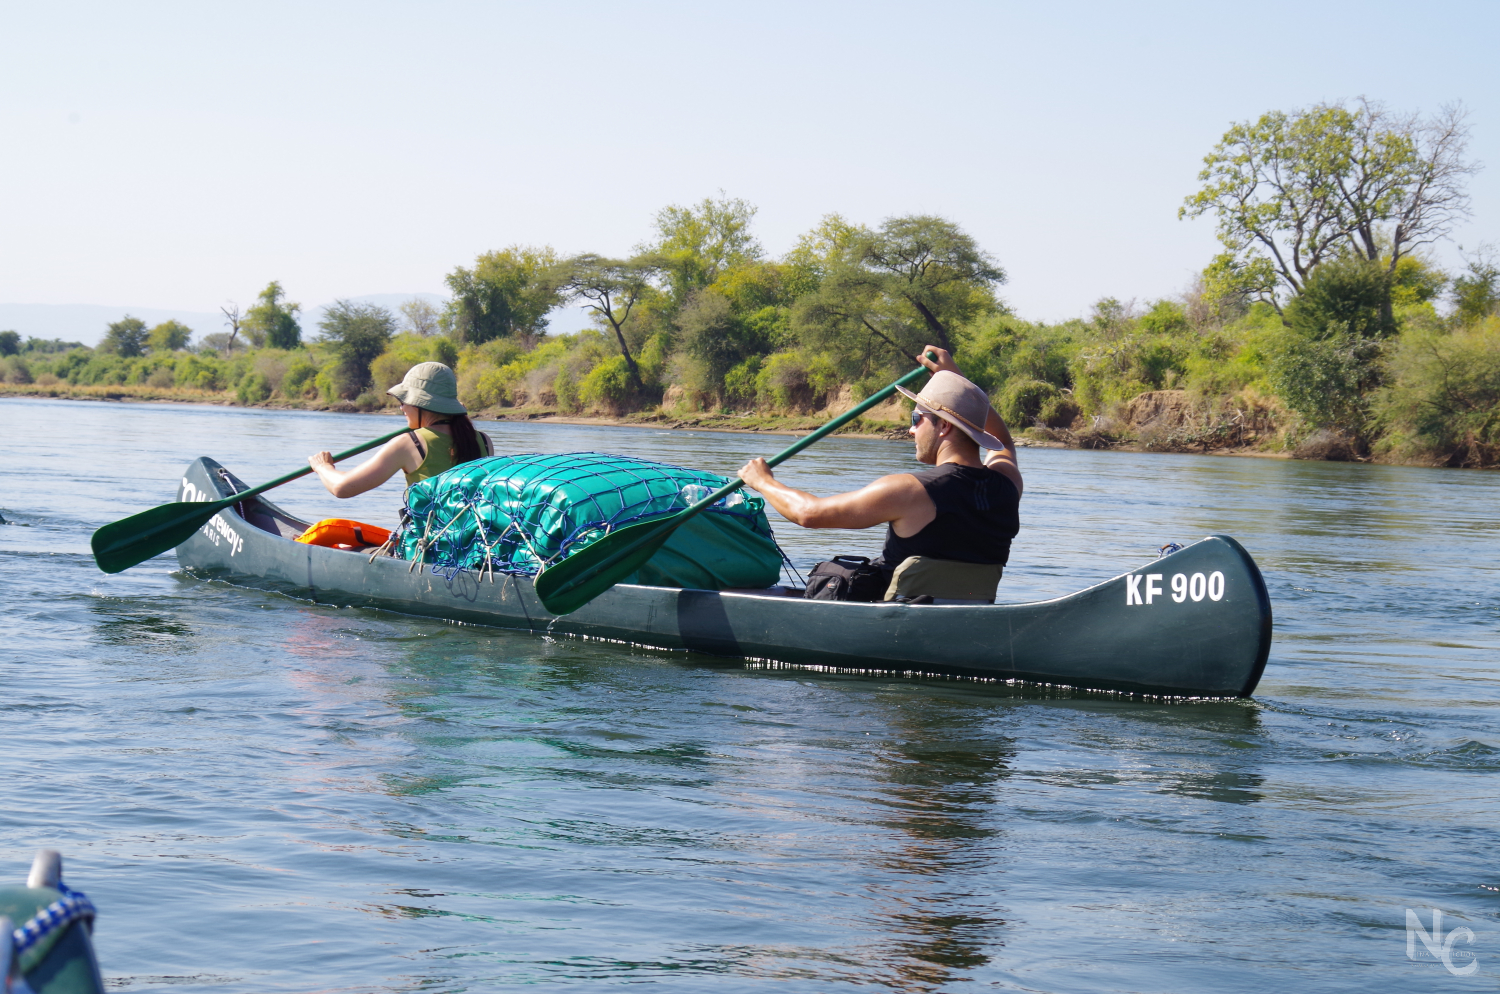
(794, 425)
(139, 393)
(1150, 437)
(774, 424)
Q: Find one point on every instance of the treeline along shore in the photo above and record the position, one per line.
(1324, 329)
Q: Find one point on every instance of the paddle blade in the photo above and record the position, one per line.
(566, 586)
(122, 544)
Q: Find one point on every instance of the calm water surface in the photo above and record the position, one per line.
(263, 794)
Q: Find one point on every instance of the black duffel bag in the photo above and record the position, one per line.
(848, 578)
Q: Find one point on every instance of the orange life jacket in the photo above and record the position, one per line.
(334, 532)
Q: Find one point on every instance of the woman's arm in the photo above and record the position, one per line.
(398, 453)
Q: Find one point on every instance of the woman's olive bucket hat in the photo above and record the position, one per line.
(430, 386)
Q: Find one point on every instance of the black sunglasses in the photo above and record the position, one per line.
(916, 417)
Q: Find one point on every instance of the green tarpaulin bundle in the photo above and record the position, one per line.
(519, 514)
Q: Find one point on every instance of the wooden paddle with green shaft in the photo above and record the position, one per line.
(125, 543)
(566, 586)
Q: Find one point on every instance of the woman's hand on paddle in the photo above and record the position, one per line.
(943, 361)
(320, 461)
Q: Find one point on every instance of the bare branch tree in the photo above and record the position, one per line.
(421, 316)
(613, 287)
(232, 318)
(1436, 199)
(1292, 191)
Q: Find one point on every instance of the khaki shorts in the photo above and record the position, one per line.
(945, 579)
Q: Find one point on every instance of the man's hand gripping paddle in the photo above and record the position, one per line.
(568, 585)
(125, 543)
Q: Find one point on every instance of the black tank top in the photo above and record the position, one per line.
(978, 513)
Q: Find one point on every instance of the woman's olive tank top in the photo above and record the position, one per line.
(437, 453)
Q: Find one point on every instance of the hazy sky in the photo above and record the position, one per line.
(181, 155)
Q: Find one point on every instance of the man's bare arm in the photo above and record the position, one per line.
(1003, 461)
(899, 499)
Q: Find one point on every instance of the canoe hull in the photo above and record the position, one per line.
(1127, 634)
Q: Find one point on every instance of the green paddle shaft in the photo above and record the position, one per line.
(878, 397)
(298, 474)
(566, 586)
(125, 543)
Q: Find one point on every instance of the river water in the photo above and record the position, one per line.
(263, 794)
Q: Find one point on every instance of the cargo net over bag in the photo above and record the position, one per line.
(519, 514)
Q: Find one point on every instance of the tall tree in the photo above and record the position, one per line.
(696, 244)
(506, 293)
(916, 277)
(711, 333)
(824, 247)
(935, 267)
(613, 287)
(169, 336)
(360, 332)
(10, 342)
(421, 316)
(125, 338)
(1291, 191)
(272, 323)
(233, 318)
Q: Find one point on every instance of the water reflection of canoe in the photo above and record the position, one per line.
(1196, 623)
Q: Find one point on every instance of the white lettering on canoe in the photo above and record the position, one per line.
(218, 529)
(1184, 587)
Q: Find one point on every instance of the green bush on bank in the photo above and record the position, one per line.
(1441, 404)
(254, 375)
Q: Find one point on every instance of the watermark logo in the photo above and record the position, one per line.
(1438, 946)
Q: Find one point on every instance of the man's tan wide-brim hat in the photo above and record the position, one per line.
(431, 386)
(958, 402)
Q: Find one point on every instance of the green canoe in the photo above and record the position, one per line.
(1196, 623)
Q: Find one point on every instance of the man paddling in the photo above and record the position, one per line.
(949, 528)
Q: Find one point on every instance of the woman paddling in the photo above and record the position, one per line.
(440, 436)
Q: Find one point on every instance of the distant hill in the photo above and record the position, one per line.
(86, 323)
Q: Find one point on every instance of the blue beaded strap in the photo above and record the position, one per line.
(56, 916)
